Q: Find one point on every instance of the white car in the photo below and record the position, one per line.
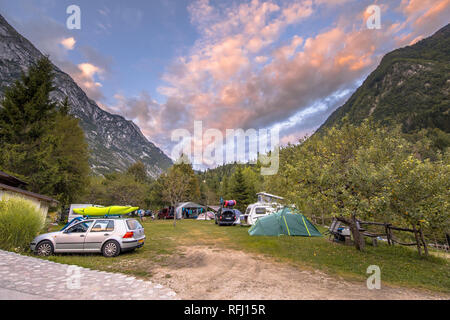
(107, 236)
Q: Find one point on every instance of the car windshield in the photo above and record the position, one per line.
(133, 224)
(80, 227)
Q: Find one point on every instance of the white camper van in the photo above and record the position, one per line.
(267, 204)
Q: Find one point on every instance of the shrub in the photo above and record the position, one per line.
(20, 222)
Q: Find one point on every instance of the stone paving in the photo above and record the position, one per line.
(44, 279)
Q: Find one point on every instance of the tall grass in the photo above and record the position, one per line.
(20, 222)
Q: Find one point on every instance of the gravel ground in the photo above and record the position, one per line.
(28, 278)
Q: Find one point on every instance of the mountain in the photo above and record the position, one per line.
(115, 142)
(411, 86)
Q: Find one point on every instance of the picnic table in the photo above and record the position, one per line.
(341, 233)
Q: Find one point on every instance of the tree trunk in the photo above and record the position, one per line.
(417, 240)
(174, 216)
(425, 248)
(357, 236)
(358, 239)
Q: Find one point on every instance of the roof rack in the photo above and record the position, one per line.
(105, 217)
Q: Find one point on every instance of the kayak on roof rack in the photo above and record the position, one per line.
(104, 211)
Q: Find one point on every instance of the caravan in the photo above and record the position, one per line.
(266, 205)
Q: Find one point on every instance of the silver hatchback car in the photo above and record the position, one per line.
(108, 236)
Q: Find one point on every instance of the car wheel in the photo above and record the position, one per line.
(44, 249)
(111, 249)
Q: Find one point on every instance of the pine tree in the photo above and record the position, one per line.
(40, 142)
(26, 115)
(27, 108)
(225, 188)
(239, 189)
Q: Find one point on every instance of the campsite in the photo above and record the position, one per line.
(200, 260)
(273, 251)
(225, 150)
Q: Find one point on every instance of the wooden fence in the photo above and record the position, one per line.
(391, 239)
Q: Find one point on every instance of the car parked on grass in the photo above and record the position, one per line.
(165, 213)
(107, 236)
(226, 216)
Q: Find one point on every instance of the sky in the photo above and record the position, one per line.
(258, 64)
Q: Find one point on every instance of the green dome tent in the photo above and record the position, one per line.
(284, 222)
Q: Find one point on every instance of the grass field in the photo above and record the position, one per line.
(399, 265)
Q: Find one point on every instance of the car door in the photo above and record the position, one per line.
(100, 231)
(72, 239)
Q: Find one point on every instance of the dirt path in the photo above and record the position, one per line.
(209, 274)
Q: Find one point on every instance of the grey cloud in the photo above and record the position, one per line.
(98, 59)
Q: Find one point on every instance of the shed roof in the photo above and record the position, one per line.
(28, 193)
(10, 180)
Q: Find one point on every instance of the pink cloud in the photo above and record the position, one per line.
(422, 18)
(241, 73)
(68, 43)
(294, 138)
(223, 83)
(85, 75)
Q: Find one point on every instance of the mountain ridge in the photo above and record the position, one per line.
(410, 86)
(115, 142)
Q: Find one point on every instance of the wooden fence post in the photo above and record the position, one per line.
(388, 236)
(391, 236)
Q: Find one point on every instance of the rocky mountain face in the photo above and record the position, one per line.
(411, 86)
(115, 142)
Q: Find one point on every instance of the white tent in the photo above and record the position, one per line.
(188, 206)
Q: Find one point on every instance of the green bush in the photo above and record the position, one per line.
(20, 222)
